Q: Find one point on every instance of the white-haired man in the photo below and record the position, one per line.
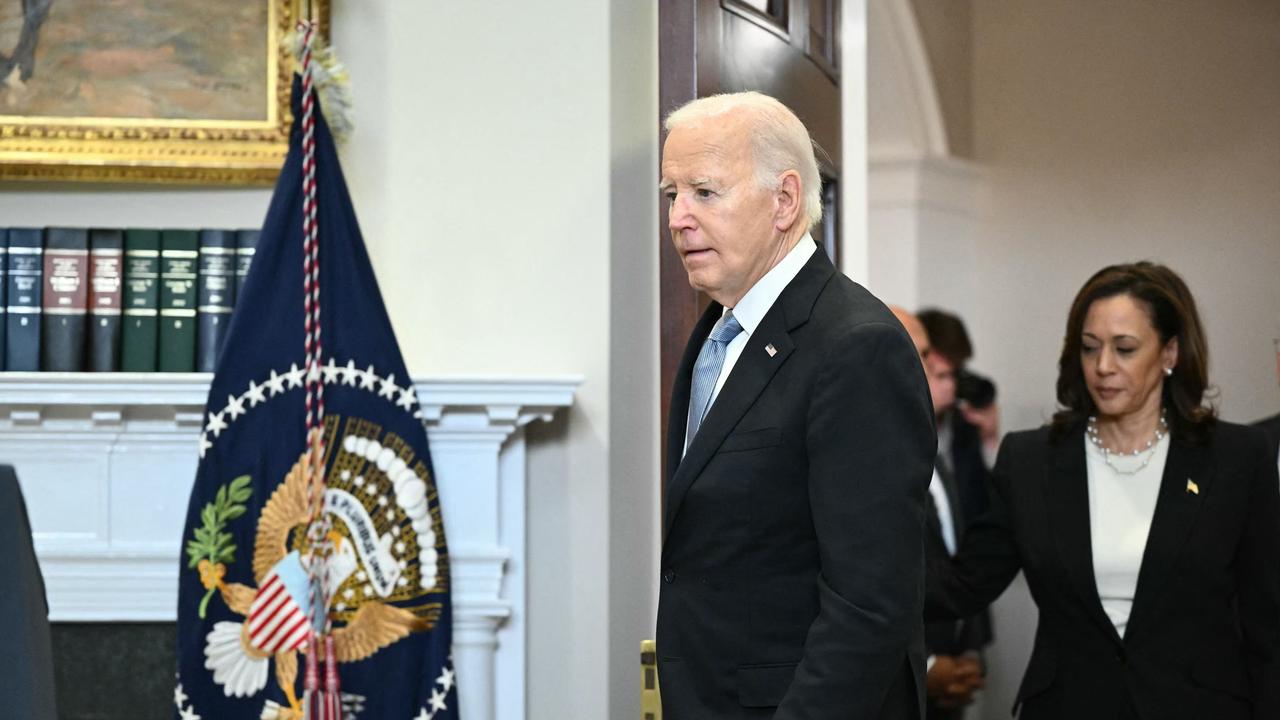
(799, 452)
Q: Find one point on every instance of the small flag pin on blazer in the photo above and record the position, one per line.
(1192, 487)
(771, 349)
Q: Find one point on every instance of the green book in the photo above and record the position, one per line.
(141, 300)
(179, 252)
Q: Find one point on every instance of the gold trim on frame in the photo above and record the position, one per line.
(196, 152)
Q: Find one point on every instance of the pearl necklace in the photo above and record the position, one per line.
(1150, 448)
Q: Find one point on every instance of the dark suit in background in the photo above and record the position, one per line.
(26, 659)
(952, 637)
(1271, 428)
(967, 467)
(792, 561)
(964, 473)
(1203, 637)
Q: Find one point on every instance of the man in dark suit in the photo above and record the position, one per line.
(799, 451)
(954, 671)
(1271, 426)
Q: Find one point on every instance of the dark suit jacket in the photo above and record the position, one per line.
(951, 637)
(972, 479)
(968, 488)
(26, 657)
(1271, 428)
(1203, 638)
(792, 561)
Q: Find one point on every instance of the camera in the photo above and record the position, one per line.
(975, 390)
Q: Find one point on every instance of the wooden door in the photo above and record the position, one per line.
(789, 49)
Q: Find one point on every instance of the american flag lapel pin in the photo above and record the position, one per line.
(771, 349)
(1192, 487)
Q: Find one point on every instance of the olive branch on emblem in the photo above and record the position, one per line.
(212, 549)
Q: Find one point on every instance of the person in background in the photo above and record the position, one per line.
(1271, 426)
(954, 668)
(968, 435)
(967, 413)
(1147, 529)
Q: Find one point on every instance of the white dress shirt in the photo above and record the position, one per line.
(943, 504)
(753, 306)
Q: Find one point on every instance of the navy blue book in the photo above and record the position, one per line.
(215, 295)
(25, 291)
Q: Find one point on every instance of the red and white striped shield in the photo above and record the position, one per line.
(278, 615)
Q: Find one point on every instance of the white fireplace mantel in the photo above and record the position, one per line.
(106, 463)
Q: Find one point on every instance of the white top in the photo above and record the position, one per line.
(1120, 512)
(943, 504)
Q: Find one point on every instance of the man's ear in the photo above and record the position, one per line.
(788, 199)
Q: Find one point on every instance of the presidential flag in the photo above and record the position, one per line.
(248, 603)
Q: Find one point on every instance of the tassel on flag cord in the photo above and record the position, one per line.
(322, 704)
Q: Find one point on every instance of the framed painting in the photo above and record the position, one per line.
(185, 91)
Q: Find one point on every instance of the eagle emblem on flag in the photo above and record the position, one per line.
(277, 611)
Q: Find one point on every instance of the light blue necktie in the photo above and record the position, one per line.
(707, 370)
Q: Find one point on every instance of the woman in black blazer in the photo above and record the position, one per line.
(1148, 530)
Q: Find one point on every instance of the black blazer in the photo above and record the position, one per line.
(972, 478)
(1271, 428)
(1203, 638)
(950, 637)
(968, 490)
(792, 560)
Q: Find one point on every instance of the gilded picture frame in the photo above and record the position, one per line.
(180, 91)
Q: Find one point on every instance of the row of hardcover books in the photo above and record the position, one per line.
(105, 300)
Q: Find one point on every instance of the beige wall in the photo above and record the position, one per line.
(946, 30)
(1122, 131)
(1115, 131)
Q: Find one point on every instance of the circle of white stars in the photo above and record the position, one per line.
(438, 702)
(368, 379)
(185, 712)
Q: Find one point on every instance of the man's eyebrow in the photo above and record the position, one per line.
(666, 185)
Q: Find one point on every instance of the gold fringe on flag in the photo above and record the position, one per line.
(331, 80)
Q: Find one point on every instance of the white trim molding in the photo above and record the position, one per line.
(106, 463)
(905, 114)
(924, 216)
(947, 184)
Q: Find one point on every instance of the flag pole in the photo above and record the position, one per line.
(319, 704)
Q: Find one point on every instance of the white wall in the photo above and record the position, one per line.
(503, 169)
(634, 462)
